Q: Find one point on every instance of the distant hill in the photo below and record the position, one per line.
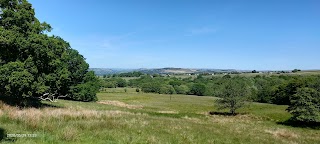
(107, 71)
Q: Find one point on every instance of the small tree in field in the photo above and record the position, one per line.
(234, 93)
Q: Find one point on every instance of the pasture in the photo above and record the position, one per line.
(130, 117)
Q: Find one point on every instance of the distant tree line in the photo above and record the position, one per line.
(128, 74)
(114, 82)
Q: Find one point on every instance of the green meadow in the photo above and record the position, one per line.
(131, 117)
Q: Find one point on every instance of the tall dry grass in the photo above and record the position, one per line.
(41, 118)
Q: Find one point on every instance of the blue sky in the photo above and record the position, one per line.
(233, 34)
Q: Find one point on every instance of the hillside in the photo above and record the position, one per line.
(106, 71)
(150, 118)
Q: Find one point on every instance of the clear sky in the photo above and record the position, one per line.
(233, 34)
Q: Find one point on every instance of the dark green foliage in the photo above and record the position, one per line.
(226, 76)
(182, 89)
(288, 89)
(33, 63)
(305, 105)
(130, 74)
(114, 82)
(121, 83)
(86, 91)
(167, 89)
(266, 88)
(175, 83)
(233, 95)
(151, 87)
(198, 89)
(295, 70)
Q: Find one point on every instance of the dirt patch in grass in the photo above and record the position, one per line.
(120, 104)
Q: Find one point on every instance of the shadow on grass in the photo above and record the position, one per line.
(300, 124)
(225, 113)
(3, 136)
(25, 102)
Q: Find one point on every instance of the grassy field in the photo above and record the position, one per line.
(149, 118)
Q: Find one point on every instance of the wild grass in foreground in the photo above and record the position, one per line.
(150, 118)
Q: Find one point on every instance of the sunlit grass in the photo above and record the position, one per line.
(151, 118)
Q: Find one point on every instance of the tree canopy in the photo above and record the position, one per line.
(305, 105)
(233, 95)
(33, 63)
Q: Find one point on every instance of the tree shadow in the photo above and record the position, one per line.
(222, 113)
(294, 123)
(3, 136)
(25, 102)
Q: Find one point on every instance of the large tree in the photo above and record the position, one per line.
(305, 105)
(33, 64)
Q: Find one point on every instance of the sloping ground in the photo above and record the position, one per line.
(149, 118)
(120, 104)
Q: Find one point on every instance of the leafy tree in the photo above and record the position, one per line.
(152, 87)
(233, 95)
(111, 84)
(266, 89)
(182, 89)
(288, 89)
(305, 105)
(86, 91)
(121, 82)
(167, 89)
(198, 89)
(33, 63)
(175, 83)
